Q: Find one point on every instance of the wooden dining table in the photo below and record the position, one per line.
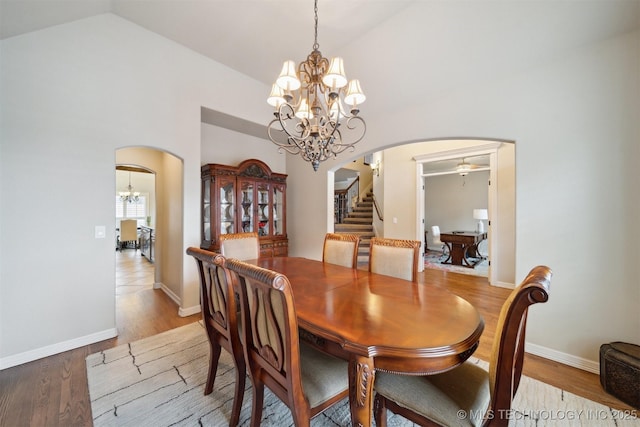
(378, 323)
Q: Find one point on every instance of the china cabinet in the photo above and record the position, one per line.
(244, 198)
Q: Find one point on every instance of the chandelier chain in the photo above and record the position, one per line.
(316, 46)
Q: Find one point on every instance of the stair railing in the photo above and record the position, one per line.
(339, 205)
(375, 205)
(345, 200)
(353, 193)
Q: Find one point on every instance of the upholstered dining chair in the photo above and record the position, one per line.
(394, 257)
(128, 233)
(303, 378)
(242, 246)
(221, 320)
(484, 397)
(435, 232)
(341, 249)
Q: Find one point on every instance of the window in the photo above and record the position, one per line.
(131, 210)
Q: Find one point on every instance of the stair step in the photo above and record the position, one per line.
(357, 221)
(367, 215)
(353, 227)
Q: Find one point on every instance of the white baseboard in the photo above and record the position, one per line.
(564, 358)
(503, 285)
(50, 350)
(184, 312)
(168, 291)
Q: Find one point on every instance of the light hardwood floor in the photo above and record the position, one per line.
(53, 391)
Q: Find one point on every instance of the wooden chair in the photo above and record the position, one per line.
(128, 233)
(341, 249)
(394, 257)
(484, 397)
(305, 379)
(242, 246)
(220, 316)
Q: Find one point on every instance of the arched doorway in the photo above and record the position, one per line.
(166, 216)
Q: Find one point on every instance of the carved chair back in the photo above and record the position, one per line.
(394, 257)
(242, 246)
(341, 249)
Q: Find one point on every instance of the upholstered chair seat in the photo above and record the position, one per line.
(305, 379)
(483, 397)
(323, 376)
(221, 320)
(441, 396)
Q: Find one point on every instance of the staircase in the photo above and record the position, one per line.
(360, 222)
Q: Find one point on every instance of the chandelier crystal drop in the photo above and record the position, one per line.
(130, 195)
(310, 114)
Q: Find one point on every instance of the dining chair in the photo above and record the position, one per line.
(221, 320)
(128, 233)
(394, 257)
(242, 246)
(483, 397)
(341, 249)
(306, 380)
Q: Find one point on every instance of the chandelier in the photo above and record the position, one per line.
(130, 195)
(310, 114)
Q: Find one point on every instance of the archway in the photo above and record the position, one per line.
(167, 221)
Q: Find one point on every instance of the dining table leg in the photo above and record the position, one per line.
(361, 377)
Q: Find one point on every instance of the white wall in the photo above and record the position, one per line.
(574, 122)
(74, 93)
(227, 147)
(71, 96)
(451, 199)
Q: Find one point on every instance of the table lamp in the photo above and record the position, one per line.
(480, 214)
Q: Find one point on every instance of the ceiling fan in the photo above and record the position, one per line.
(463, 168)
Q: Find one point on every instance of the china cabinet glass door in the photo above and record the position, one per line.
(206, 209)
(227, 206)
(264, 223)
(278, 211)
(247, 206)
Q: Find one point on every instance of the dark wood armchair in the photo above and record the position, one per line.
(483, 398)
(394, 257)
(220, 316)
(306, 380)
(341, 249)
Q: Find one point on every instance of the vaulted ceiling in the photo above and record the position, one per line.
(403, 51)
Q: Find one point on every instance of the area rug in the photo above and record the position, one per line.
(433, 260)
(159, 381)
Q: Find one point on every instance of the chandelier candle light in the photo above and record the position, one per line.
(310, 115)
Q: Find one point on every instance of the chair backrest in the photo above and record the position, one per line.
(394, 257)
(435, 231)
(271, 344)
(128, 230)
(217, 298)
(341, 249)
(505, 367)
(242, 246)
